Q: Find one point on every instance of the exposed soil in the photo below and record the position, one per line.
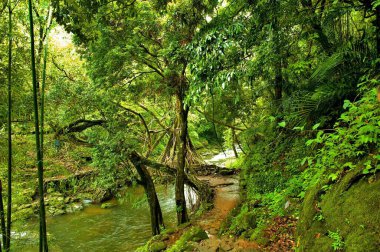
(279, 234)
(226, 198)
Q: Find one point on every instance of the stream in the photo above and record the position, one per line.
(123, 227)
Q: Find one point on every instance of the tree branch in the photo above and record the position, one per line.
(62, 70)
(208, 118)
(154, 116)
(142, 121)
(153, 68)
(78, 126)
(147, 51)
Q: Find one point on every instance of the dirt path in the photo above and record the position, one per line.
(226, 198)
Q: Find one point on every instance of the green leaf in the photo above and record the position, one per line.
(309, 142)
(333, 176)
(282, 124)
(349, 165)
(299, 128)
(316, 126)
(346, 104)
(375, 4)
(304, 160)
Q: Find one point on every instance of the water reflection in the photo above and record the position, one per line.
(120, 228)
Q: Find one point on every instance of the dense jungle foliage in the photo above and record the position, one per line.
(136, 92)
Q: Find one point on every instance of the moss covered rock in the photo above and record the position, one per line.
(347, 217)
(108, 205)
(157, 246)
(194, 234)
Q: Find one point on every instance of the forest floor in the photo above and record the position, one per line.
(226, 198)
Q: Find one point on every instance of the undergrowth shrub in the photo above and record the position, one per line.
(354, 144)
(283, 165)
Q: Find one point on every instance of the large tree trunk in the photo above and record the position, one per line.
(181, 134)
(277, 64)
(156, 218)
(233, 143)
(278, 82)
(170, 154)
(202, 187)
(314, 22)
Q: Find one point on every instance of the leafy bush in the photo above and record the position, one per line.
(354, 144)
(283, 165)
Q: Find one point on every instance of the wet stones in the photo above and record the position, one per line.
(106, 205)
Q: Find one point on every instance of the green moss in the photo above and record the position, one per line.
(259, 237)
(307, 224)
(169, 231)
(194, 234)
(157, 246)
(350, 208)
(108, 205)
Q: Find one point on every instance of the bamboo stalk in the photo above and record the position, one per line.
(43, 238)
(2, 217)
(7, 237)
(46, 47)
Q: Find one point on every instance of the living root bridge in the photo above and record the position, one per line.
(201, 187)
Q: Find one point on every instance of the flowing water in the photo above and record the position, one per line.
(121, 228)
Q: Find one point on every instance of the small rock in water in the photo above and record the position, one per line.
(55, 211)
(107, 205)
(74, 207)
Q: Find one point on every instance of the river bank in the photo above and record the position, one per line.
(122, 227)
(205, 229)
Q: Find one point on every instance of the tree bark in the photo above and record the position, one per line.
(278, 78)
(233, 135)
(78, 126)
(181, 133)
(156, 218)
(316, 26)
(202, 188)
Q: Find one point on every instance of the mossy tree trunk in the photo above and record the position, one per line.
(181, 134)
(234, 141)
(146, 181)
(170, 153)
(203, 189)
